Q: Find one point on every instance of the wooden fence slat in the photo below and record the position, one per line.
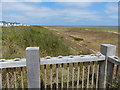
(45, 78)
(67, 75)
(93, 69)
(8, 81)
(83, 75)
(114, 73)
(15, 80)
(78, 75)
(62, 76)
(109, 74)
(0, 78)
(73, 76)
(117, 74)
(117, 71)
(101, 82)
(57, 76)
(51, 76)
(22, 82)
(88, 75)
(97, 77)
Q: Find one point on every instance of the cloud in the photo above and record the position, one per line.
(112, 10)
(60, 0)
(76, 5)
(0, 11)
(30, 13)
(45, 14)
(82, 0)
(21, 0)
(18, 7)
(14, 17)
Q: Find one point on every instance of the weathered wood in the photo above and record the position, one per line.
(8, 81)
(45, 78)
(88, 75)
(110, 66)
(67, 75)
(9, 63)
(114, 59)
(97, 77)
(93, 70)
(22, 83)
(105, 66)
(117, 71)
(117, 74)
(33, 67)
(0, 78)
(83, 68)
(109, 74)
(62, 76)
(15, 80)
(51, 76)
(101, 74)
(57, 76)
(78, 75)
(73, 76)
(74, 59)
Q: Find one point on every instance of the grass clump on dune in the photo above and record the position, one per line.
(78, 39)
(16, 39)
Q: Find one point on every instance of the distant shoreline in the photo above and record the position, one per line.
(108, 27)
(99, 27)
(102, 27)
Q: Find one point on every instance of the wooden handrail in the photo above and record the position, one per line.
(10, 63)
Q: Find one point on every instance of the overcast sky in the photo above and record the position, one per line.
(61, 13)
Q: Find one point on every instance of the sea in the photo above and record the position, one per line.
(108, 27)
(111, 27)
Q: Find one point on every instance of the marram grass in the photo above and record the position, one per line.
(16, 39)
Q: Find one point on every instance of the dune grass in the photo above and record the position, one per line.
(16, 39)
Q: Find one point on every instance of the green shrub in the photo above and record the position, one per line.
(78, 39)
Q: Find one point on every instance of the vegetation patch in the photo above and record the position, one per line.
(16, 39)
(78, 39)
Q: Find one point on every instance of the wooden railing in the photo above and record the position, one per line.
(83, 71)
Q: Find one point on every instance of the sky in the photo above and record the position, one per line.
(61, 13)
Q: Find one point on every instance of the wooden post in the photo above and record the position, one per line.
(33, 67)
(106, 67)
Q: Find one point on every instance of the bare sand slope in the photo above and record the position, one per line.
(92, 37)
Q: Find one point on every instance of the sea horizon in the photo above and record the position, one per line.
(82, 26)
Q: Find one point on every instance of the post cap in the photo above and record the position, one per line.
(108, 49)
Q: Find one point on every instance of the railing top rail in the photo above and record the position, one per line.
(114, 59)
(11, 63)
